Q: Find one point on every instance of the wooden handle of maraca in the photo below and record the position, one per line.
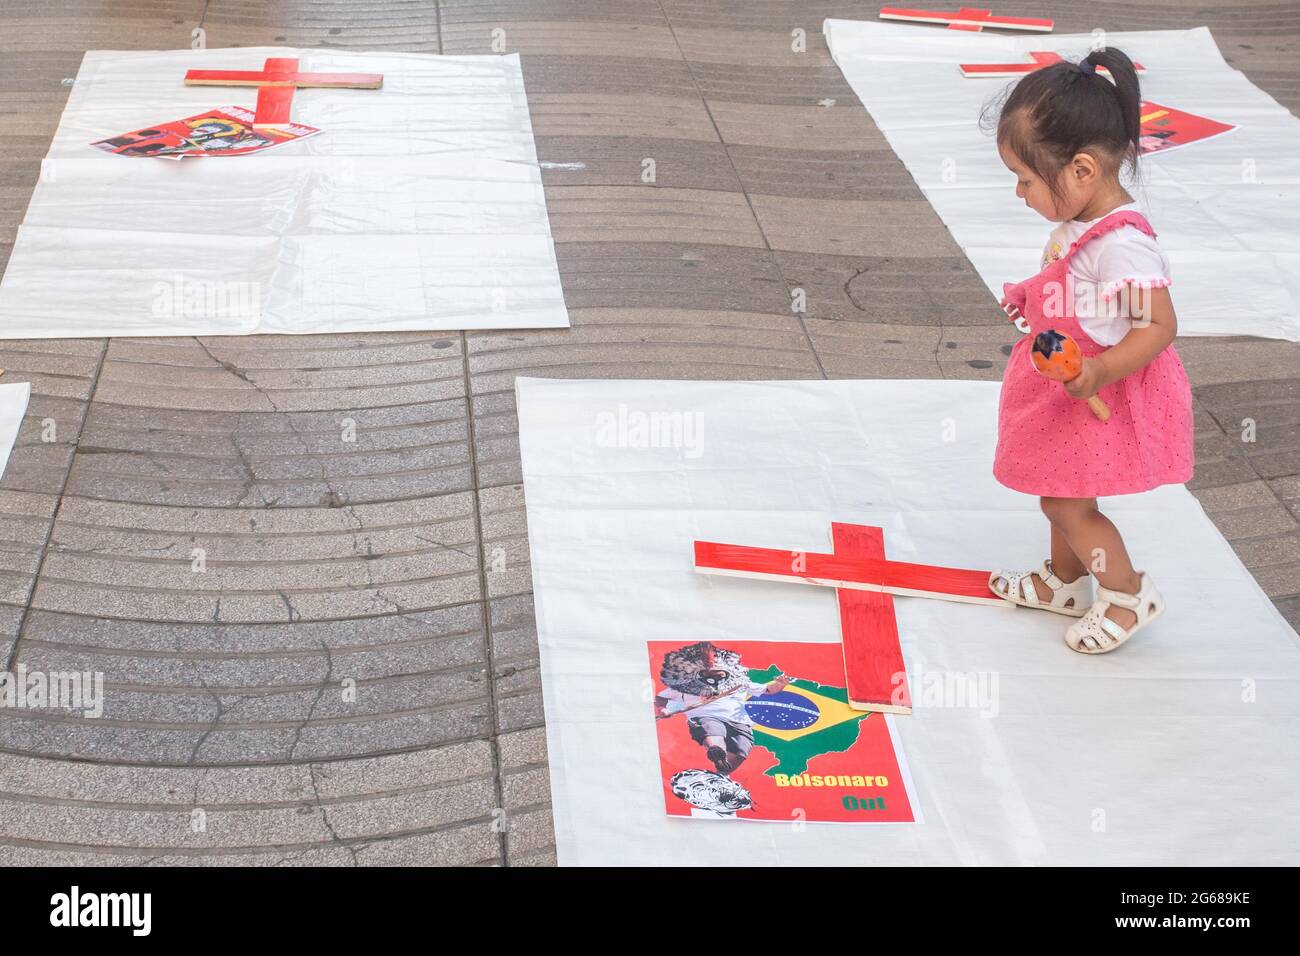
(1099, 408)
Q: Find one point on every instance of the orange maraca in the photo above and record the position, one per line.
(1057, 356)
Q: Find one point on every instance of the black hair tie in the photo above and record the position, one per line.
(1086, 65)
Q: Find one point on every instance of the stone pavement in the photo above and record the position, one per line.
(399, 562)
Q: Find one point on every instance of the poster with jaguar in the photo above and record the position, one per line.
(762, 730)
(1165, 128)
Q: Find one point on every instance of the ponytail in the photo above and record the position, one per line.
(1127, 90)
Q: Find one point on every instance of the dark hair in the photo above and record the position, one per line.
(1065, 109)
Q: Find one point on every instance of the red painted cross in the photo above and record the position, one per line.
(864, 579)
(276, 82)
(1039, 58)
(875, 676)
(967, 18)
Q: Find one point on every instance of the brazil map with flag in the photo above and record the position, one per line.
(812, 756)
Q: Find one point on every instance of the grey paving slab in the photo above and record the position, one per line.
(622, 161)
(558, 11)
(594, 36)
(475, 845)
(587, 114)
(529, 832)
(523, 748)
(832, 174)
(539, 858)
(455, 624)
(361, 24)
(670, 275)
(526, 788)
(605, 75)
(760, 83)
(228, 744)
(891, 290)
(644, 213)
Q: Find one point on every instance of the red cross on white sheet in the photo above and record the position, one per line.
(276, 82)
(1039, 59)
(967, 18)
(865, 581)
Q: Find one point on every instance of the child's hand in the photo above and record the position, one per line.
(1014, 315)
(1090, 380)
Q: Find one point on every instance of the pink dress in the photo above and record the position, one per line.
(1050, 444)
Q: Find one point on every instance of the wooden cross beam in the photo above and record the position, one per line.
(845, 571)
(967, 18)
(276, 82)
(865, 581)
(1038, 58)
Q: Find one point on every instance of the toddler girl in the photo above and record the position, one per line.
(1067, 132)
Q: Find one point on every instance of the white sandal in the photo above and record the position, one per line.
(1095, 633)
(1072, 599)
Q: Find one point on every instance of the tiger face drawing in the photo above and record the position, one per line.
(703, 670)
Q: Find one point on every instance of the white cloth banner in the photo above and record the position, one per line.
(419, 206)
(13, 406)
(1226, 210)
(1179, 748)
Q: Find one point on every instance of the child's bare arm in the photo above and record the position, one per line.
(1154, 327)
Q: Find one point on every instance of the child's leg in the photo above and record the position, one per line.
(1097, 546)
(1060, 584)
(1064, 562)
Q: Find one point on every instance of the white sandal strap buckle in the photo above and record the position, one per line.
(1049, 577)
(1111, 628)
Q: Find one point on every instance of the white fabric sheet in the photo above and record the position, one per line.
(419, 206)
(13, 406)
(1226, 210)
(1179, 748)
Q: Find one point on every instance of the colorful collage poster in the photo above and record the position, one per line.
(1165, 128)
(762, 730)
(221, 132)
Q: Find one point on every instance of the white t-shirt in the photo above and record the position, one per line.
(1099, 269)
(730, 708)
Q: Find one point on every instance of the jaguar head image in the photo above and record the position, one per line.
(703, 670)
